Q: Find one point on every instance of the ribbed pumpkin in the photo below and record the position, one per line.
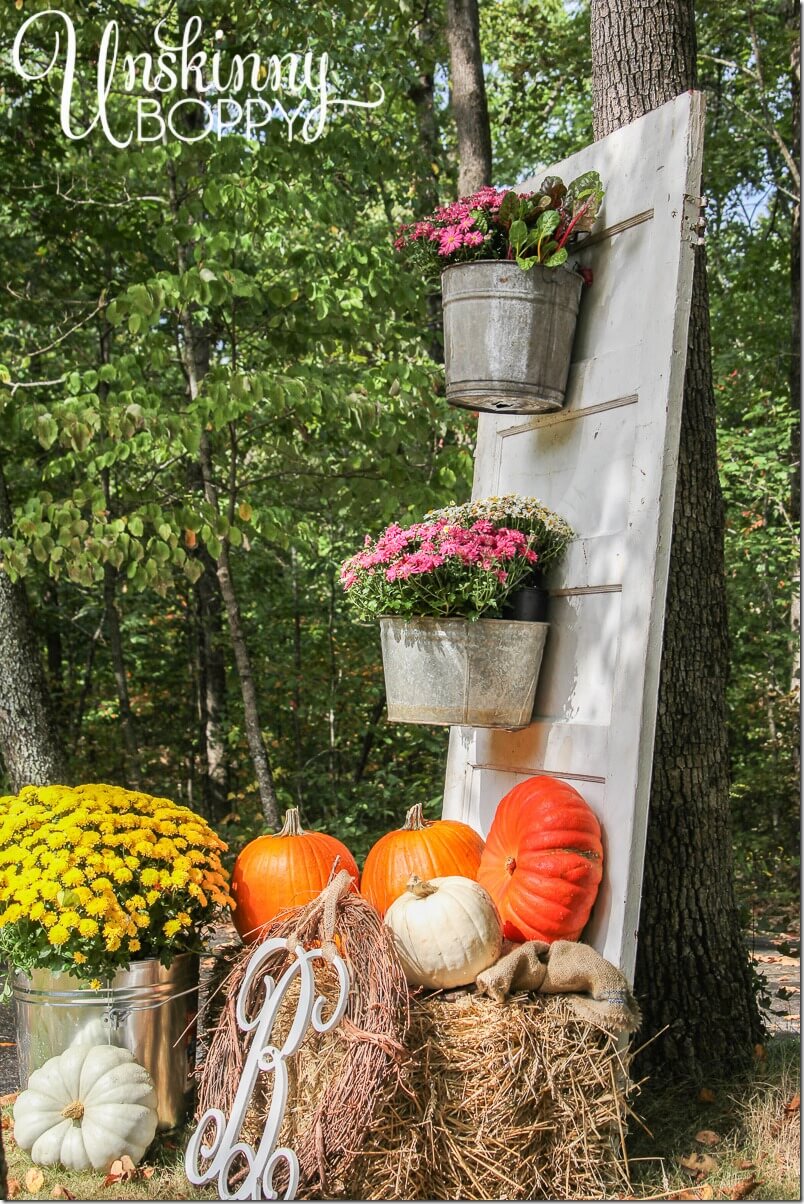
(543, 861)
(428, 848)
(282, 870)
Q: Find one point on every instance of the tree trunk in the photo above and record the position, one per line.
(251, 713)
(468, 96)
(368, 739)
(422, 94)
(212, 690)
(693, 972)
(127, 723)
(195, 353)
(29, 740)
(795, 345)
(112, 623)
(297, 676)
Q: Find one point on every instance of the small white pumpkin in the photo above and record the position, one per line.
(85, 1108)
(445, 931)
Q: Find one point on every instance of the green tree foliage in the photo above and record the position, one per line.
(320, 400)
(751, 180)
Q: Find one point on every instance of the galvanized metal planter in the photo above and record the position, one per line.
(508, 335)
(147, 1009)
(452, 671)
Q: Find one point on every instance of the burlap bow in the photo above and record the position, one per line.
(565, 966)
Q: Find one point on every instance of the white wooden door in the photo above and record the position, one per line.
(607, 463)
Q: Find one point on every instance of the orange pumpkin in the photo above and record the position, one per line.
(281, 870)
(439, 848)
(543, 861)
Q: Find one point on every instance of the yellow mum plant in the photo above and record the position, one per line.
(94, 877)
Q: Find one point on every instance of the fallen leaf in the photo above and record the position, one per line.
(121, 1170)
(34, 1180)
(6, 1123)
(704, 1192)
(743, 1188)
(745, 1165)
(706, 1096)
(13, 1188)
(60, 1192)
(147, 1172)
(760, 1053)
(707, 1137)
(699, 1164)
(5, 1100)
(794, 1105)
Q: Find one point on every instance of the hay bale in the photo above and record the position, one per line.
(521, 1101)
(514, 1102)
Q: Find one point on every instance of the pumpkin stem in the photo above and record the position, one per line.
(419, 888)
(292, 825)
(510, 864)
(414, 820)
(73, 1111)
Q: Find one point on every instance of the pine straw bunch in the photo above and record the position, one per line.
(338, 1079)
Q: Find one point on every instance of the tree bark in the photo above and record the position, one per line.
(212, 690)
(693, 972)
(251, 713)
(30, 744)
(422, 94)
(195, 354)
(468, 89)
(127, 723)
(795, 342)
(112, 623)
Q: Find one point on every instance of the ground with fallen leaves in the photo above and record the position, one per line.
(737, 1140)
(730, 1141)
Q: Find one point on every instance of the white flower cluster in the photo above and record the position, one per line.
(551, 532)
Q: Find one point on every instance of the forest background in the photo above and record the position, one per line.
(217, 377)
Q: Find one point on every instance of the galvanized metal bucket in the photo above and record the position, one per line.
(148, 1009)
(508, 335)
(452, 671)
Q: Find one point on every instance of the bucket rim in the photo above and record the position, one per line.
(470, 263)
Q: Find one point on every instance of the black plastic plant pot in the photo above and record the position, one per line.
(528, 604)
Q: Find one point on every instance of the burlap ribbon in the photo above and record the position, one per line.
(598, 991)
(326, 906)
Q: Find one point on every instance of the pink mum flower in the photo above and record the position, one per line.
(450, 240)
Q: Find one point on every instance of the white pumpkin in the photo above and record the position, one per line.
(445, 931)
(85, 1108)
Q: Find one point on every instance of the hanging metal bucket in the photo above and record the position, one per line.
(452, 671)
(508, 335)
(148, 1009)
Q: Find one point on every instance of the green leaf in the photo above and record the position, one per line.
(517, 234)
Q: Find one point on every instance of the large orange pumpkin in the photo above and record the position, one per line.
(282, 870)
(543, 861)
(437, 848)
